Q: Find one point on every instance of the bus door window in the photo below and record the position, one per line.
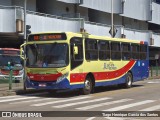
(76, 58)
(126, 51)
(91, 49)
(104, 50)
(115, 51)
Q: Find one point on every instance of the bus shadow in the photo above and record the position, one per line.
(72, 93)
(113, 88)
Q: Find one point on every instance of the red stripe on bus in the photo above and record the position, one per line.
(80, 77)
(44, 77)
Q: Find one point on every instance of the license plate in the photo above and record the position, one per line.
(42, 85)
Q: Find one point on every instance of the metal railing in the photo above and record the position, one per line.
(154, 71)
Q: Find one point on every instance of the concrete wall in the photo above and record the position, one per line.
(6, 24)
(137, 9)
(31, 4)
(155, 13)
(70, 1)
(5, 2)
(42, 24)
(103, 5)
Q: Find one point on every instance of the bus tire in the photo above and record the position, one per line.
(129, 80)
(88, 86)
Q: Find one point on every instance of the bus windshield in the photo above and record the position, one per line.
(47, 55)
(14, 60)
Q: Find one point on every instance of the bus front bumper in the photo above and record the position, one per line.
(7, 77)
(63, 84)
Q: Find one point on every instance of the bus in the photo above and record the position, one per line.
(10, 56)
(67, 61)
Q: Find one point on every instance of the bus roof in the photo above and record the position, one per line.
(94, 37)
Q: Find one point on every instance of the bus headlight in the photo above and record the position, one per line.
(21, 72)
(59, 79)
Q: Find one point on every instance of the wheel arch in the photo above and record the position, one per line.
(131, 74)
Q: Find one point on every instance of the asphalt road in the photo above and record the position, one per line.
(137, 101)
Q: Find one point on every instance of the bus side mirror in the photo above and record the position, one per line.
(75, 50)
(22, 51)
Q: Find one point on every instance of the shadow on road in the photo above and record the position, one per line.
(67, 93)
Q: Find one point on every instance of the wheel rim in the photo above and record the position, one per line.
(129, 81)
(87, 85)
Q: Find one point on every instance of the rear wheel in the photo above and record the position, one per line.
(129, 80)
(88, 86)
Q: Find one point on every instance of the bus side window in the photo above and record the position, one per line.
(91, 49)
(115, 51)
(104, 50)
(143, 52)
(126, 51)
(135, 51)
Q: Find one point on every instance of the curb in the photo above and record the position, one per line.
(20, 92)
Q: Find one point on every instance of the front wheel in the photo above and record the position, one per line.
(52, 92)
(88, 86)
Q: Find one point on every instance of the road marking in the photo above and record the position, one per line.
(153, 108)
(116, 118)
(91, 118)
(129, 105)
(102, 104)
(53, 102)
(27, 101)
(83, 102)
(154, 82)
(22, 95)
(14, 99)
(9, 96)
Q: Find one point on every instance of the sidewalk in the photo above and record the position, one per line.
(4, 88)
(17, 89)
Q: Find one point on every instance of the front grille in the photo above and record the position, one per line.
(36, 83)
(7, 72)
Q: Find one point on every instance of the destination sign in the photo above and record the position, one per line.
(47, 37)
(11, 52)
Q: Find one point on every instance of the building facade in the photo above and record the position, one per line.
(133, 19)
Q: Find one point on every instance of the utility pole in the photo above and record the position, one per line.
(25, 34)
(25, 5)
(112, 18)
